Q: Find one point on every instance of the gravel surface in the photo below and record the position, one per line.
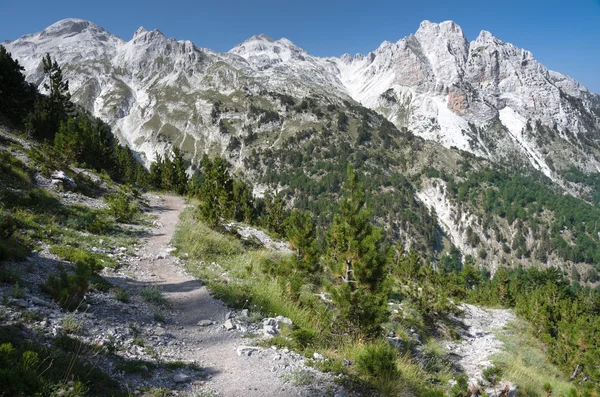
(478, 339)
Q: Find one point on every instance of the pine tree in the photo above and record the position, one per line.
(354, 242)
(57, 87)
(302, 235)
(127, 168)
(99, 151)
(276, 217)
(49, 111)
(70, 140)
(180, 178)
(359, 261)
(168, 174)
(156, 172)
(243, 203)
(216, 192)
(16, 95)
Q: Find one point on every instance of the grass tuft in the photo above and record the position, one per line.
(153, 294)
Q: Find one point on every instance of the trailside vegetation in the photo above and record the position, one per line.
(357, 258)
(169, 174)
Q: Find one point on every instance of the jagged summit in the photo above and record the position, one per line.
(144, 36)
(141, 30)
(444, 28)
(485, 36)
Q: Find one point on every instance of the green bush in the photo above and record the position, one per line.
(378, 360)
(7, 226)
(77, 256)
(92, 221)
(69, 289)
(121, 207)
(99, 283)
(121, 295)
(141, 367)
(18, 375)
(28, 368)
(461, 386)
(152, 294)
(95, 261)
(304, 337)
(10, 245)
(9, 275)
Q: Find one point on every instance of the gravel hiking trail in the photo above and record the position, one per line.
(226, 371)
(479, 341)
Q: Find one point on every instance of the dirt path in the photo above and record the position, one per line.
(214, 348)
(479, 341)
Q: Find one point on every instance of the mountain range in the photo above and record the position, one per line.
(486, 96)
(419, 116)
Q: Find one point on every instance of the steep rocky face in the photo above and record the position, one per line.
(486, 97)
(283, 66)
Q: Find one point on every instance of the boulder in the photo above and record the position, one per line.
(247, 350)
(271, 325)
(40, 302)
(283, 320)
(269, 330)
(62, 180)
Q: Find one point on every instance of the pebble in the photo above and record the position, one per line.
(247, 350)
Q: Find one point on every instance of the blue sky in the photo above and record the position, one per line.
(564, 35)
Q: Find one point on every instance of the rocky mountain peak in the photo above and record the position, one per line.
(141, 30)
(144, 36)
(71, 26)
(485, 37)
(347, 58)
(260, 37)
(263, 43)
(446, 48)
(263, 52)
(446, 27)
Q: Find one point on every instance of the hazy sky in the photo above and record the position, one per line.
(563, 35)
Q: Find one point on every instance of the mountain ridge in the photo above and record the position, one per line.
(485, 96)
